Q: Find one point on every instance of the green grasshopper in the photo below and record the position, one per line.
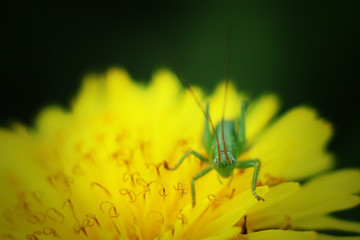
(223, 151)
(228, 148)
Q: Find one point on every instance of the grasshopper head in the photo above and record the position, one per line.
(224, 167)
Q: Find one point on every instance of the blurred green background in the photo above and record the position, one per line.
(306, 52)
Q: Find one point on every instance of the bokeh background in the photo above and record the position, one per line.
(306, 52)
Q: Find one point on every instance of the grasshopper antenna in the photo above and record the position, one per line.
(187, 85)
(226, 89)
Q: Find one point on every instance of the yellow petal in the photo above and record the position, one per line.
(91, 98)
(222, 225)
(327, 223)
(233, 103)
(19, 162)
(259, 114)
(345, 181)
(293, 147)
(327, 237)
(299, 205)
(51, 120)
(281, 235)
(269, 214)
(227, 234)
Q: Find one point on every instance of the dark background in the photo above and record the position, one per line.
(307, 53)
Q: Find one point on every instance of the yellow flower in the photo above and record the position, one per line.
(96, 171)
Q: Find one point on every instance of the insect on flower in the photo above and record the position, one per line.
(225, 150)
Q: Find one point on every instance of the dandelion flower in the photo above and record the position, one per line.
(96, 171)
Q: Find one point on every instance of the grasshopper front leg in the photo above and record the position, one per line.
(251, 163)
(199, 175)
(196, 154)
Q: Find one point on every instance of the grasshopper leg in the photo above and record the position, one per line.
(255, 163)
(196, 154)
(199, 175)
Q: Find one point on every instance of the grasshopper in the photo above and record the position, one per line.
(223, 151)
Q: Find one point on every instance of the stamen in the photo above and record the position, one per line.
(115, 157)
(120, 158)
(131, 175)
(90, 156)
(140, 181)
(77, 170)
(8, 236)
(146, 188)
(232, 193)
(50, 231)
(23, 203)
(145, 185)
(162, 192)
(8, 216)
(86, 223)
(143, 145)
(117, 230)
(71, 209)
(183, 142)
(120, 137)
(157, 167)
(180, 187)
(288, 225)
(132, 195)
(212, 198)
(77, 228)
(271, 180)
(101, 186)
(33, 236)
(183, 219)
(37, 218)
(59, 180)
(93, 217)
(132, 234)
(68, 181)
(112, 210)
(38, 195)
(155, 213)
(55, 215)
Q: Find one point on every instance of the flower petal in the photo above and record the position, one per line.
(344, 181)
(281, 235)
(227, 234)
(300, 205)
(293, 147)
(327, 237)
(259, 114)
(265, 215)
(222, 225)
(327, 223)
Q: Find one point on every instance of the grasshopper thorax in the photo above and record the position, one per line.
(225, 166)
